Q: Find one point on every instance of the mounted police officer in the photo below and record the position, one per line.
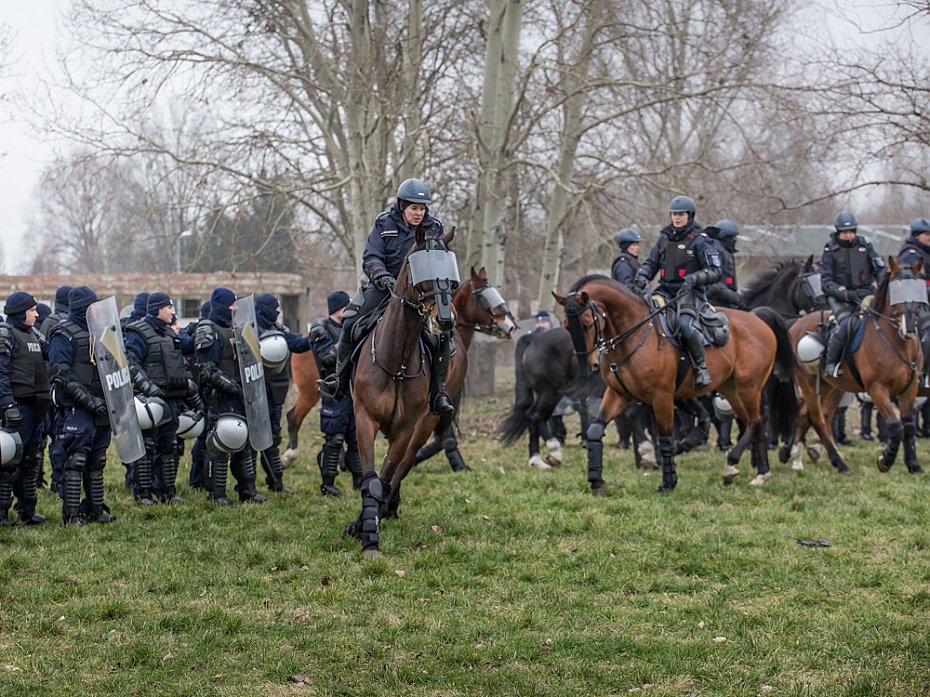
(24, 401)
(915, 248)
(624, 267)
(724, 293)
(84, 434)
(686, 261)
(277, 344)
(392, 236)
(849, 268)
(337, 418)
(156, 365)
(227, 442)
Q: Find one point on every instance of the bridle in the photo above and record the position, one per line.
(488, 299)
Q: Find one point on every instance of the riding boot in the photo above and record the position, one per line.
(724, 432)
(835, 345)
(839, 427)
(6, 497)
(440, 401)
(865, 421)
(243, 468)
(336, 384)
(99, 512)
(29, 477)
(169, 474)
(71, 488)
(354, 465)
(142, 469)
(329, 468)
(698, 361)
(274, 478)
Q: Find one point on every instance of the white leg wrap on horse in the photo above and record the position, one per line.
(797, 457)
(288, 456)
(760, 479)
(647, 453)
(555, 452)
(537, 462)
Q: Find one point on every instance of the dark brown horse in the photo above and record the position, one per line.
(886, 365)
(620, 331)
(390, 389)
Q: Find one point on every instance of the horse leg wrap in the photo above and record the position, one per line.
(456, 462)
(372, 498)
(667, 456)
(427, 451)
(595, 446)
(895, 431)
(910, 446)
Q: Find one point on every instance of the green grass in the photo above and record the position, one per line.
(505, 581)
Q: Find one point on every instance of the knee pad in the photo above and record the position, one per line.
(97, 460)
(372, 488)
(77, 461)
(335, 440)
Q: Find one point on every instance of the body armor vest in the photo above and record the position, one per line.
(83, 366)
(227, 363)
(850, 265)
(164, 363)
(677, 258)
(28, 370)
(334, 331)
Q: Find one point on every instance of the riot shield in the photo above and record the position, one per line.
(252, 374)
(110, 356)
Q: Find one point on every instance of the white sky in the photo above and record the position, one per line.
(23, 152)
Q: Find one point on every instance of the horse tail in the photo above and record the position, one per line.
(517, 422)
(780, 395)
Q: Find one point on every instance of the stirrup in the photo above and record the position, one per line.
(442, 404)
(833, 370)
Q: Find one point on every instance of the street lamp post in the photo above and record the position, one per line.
(181, 236)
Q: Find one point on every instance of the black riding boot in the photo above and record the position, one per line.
(335, 385)
(835, 345)
(865, 421)
(440, 401)
(696, 353)
(329, 468)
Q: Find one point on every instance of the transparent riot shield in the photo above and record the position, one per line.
(110, 357)
(252, 374)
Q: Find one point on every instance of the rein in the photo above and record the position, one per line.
(408, 305)
(875, 316)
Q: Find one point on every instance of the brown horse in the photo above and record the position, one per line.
(617, 329)
(886, 365)
(390, 389)
(479, 308)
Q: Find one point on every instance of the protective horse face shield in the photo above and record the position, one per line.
(438, 266)
(814, 286)
(489, 299)
(908, 292)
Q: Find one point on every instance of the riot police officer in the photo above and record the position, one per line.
(277, 343)
(849, 268)
(156, 365)
(624, 267)
(84, 433)
(337, 417)
(915, 248)
(724, 293)
(389, 241)
(24, 401)
(227, 444)
(59, 314)
(686, 261)
(198, 449)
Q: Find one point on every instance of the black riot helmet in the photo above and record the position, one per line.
(412, 191)
(845, 221)
(626, 237)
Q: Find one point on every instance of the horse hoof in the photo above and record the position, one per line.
(353, 529)
(760, 479)
(784, 454)
(915, 469)
(814, 451)
(843, 468)
(665, 488)
(599, 489)
(797, 466)
(882, 465)
(537, 462)
(730, 474)
(372, 553)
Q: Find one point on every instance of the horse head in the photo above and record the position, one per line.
(810, 295)
(488, 313)
(900, 291)
(427, 280)
(582, 322)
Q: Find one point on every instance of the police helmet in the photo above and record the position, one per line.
(845, 221)
(11, 447)
(190, 424)
(726, 228)
(683, 204)
(229, 435)
(627, 236)
(151, 412)
(273, 349)
(722, 405)
(810, 349)
(920, 225)
(413, 191)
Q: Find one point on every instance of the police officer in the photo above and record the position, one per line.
(849, 267)
(276, 338)
(724, 293)
(686, 261)
(198, 450)
(915, 248)
(392, 236)
(156, 365)
(24, 401)
(59, 314)
(337, 418)
(219, 374)
(85, 429)
(624, 267)
(543, 322)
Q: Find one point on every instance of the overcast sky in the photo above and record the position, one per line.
(23, 153)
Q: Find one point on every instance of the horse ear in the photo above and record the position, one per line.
(585, 298)
(893, 265)
(809, 264)
(560, 299)
(483, 272)
(918, 266)
(447, 237)
(475, 278)
(420, 235)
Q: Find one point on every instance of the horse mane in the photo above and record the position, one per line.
(880, 303)
(587, 278)
(762, 284)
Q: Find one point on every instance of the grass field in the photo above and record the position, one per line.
(504, 581)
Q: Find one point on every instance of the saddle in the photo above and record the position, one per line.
(713, 326)
(366, 324)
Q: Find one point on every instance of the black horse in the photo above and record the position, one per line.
(546, 371)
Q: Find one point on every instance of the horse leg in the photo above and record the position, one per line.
(295, 418)
(553, 446)
(428, 450)
(664, 408)
(893, 426)
(818, 419)
(760, 453)
(366, 526)
(612, 404)
(535, 459)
